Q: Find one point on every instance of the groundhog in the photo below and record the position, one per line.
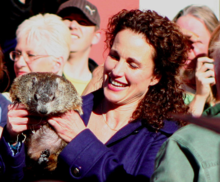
(45, 95)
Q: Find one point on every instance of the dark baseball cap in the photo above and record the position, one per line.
(88, 9)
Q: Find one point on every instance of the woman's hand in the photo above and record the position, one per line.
(204, 76)
(19, 120)
(68, 125)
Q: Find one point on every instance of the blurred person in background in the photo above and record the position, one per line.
(83, 20)
(192, 153)
(198, 22)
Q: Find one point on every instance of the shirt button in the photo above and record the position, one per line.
(76, 171)
(136, 131)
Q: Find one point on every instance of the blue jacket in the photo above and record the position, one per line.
(3, 120)
(130, 153)
(3, 110)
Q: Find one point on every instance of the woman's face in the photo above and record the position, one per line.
(200, 35)
(128, 69)
(34, 58)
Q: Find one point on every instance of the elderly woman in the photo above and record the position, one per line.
(125, 122)
(43, 45)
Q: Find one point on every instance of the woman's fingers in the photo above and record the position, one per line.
(68, 125)
(204, 63)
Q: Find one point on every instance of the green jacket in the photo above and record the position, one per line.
(190, 154)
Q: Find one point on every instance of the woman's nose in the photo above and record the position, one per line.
(119, 69)
(20, 62)
(191, 54)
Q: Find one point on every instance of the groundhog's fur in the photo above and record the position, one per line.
(46, 95)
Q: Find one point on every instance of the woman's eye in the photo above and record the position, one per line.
(113, 56)
(133, 65)
(31, 55)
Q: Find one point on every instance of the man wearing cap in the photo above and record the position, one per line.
(83, 20)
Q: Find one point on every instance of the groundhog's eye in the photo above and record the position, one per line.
(36, 97)
(52, 97)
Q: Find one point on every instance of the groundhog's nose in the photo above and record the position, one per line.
(43, 111)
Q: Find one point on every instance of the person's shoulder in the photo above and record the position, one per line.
(5, 97)
(195, 136)
(88, 98)
(169, 127)
(190, 130)
(92, 97)
(188, 97)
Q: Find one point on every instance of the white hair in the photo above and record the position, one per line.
(50, 31)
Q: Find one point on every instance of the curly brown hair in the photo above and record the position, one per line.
(4, 75)
(170, 52)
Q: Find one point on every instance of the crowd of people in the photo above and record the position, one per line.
(155, 70)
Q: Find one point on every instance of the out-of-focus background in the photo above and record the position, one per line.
(167, 8)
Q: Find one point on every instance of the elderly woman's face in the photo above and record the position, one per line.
(33, 58)
(200, 35)
(128, 69)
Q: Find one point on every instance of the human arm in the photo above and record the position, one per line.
(11, 164)
(204, 78)
(12, 147)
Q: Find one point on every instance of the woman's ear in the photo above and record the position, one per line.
(97, 37)
(58, 64)
(154, 80)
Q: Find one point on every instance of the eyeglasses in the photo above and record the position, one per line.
(16, 55)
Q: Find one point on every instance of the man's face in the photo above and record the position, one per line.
(82, 31)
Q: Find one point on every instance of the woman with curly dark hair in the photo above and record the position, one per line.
(126, 121)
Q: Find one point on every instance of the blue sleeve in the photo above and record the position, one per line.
(86, 158)
(12, 164)
(3, 110)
